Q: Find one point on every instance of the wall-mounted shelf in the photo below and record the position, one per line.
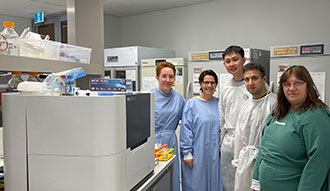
(27, 64)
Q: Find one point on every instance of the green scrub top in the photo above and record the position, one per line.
(295, 152)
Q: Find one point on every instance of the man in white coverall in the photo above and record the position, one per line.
(231, 98)
(251, 120)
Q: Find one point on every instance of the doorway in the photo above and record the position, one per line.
(47, 30)
(64, 31)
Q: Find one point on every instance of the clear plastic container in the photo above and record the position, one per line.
(14, 81)
(11, 39)
(33, 44)
(33, 77)
(164, 149)
(73, 53)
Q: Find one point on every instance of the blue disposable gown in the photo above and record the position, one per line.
(168, 113)
(199, 135)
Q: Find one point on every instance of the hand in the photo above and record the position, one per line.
(189, 163)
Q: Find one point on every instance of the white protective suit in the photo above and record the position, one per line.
(251, 121)
(231, 99)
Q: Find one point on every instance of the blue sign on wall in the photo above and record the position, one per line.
(39, 17)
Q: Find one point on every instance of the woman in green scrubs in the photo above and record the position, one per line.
(294, 153)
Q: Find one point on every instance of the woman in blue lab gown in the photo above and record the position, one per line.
(169, 105)
(199, 139)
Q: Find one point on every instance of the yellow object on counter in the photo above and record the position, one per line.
(168, 154)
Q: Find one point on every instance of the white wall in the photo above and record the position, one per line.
(20, 23)
(218, 24)
(112, 32)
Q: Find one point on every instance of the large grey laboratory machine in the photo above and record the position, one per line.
(199, 61)
(148, 73)
(125, 62)
(62, 143)
(315, 57)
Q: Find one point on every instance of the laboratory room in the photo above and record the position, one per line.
(160, 95)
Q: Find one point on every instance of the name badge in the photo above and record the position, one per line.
(280, 123)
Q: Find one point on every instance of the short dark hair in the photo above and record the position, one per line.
(254, 66)
(210, 73)
(233, 49)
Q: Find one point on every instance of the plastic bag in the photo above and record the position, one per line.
(56, 82)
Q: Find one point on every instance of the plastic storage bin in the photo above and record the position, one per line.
(52, 50)
(73, 53)
(40, 49)
(32, 48)
(38, 46)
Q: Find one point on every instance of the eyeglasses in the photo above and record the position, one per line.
(207, 83)
(295, 84)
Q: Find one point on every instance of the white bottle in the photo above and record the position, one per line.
(12, 39)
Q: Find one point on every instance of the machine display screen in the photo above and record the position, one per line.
(159, 61)
(312, 49)
(217, 55)
(137, 119)
(112, 59)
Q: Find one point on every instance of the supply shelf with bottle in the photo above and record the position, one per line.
(28, 64)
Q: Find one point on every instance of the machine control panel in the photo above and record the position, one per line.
(216, 55)
(159, 61)
(112, 59)
(312, 49)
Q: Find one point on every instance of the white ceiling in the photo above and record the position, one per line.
(26, 8)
